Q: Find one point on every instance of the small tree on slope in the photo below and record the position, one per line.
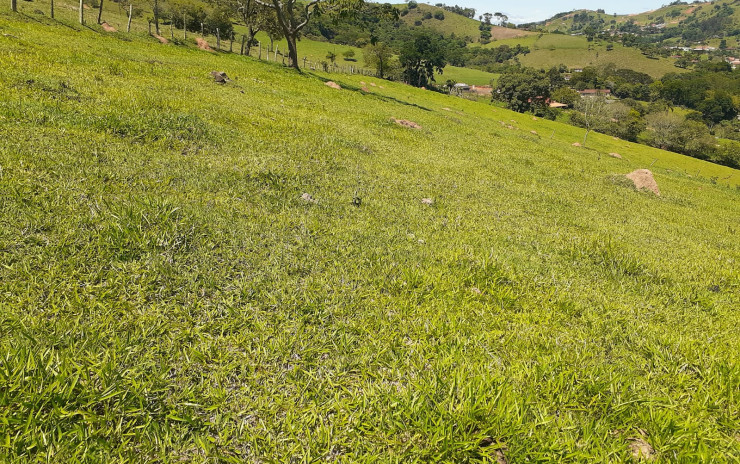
(293, 17)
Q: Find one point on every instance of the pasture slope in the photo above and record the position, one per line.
(169, 294)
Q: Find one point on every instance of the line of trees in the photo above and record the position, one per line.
(706, 128)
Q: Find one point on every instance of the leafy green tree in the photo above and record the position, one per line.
(421, 58)
(717, 106)
(293, 16)
(378, 57)
(566, 96)
(524, 90)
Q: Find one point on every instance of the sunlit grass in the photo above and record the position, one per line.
(166, 295)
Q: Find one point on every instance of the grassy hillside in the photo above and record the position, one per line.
(451, 24)
(549, 50)
(167, 295)
(670, 15)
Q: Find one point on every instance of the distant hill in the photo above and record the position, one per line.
(452, 23)
(692, 22)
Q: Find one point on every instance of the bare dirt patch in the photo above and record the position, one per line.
(406, 123)
(161, 39)
(498, 33)
(108, 28)
(333, 85)
(641, 450)
(644, 180)
(576, 144)
(203, 44)
(615, 155)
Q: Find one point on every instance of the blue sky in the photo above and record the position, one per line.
(524, 11)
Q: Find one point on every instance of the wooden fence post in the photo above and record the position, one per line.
(218, 39)
(276, 52)
(82, 12)
(244, 38)
(51, 12)
(130, 15)
(184, 26)
(172, 31)
(201, 30)
(231, 43)
(14, 5)
(100, 12)
(259, 57)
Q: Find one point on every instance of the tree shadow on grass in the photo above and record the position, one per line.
(355, 88)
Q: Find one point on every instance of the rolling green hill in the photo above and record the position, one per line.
(549, 50)
(670, 16)
(273, 270)
(451, 24)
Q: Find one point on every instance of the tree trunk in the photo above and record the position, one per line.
(184, 26)
(51, 10)
(130, 16)
(292, 51)
(82, 12)
(156, 16)
(218, 40)
(14, 5)
(100, 12)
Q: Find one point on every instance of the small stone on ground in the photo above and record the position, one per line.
(308, 198)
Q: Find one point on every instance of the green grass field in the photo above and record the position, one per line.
(451, 24)
(166, 295)
(549, 50)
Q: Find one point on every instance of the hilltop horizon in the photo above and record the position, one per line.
(541, 10)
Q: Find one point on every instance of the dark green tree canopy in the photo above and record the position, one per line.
(422, 57)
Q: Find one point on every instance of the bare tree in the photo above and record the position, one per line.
(155, 10)
(253, 15)
(594, 112)
(293, 17)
